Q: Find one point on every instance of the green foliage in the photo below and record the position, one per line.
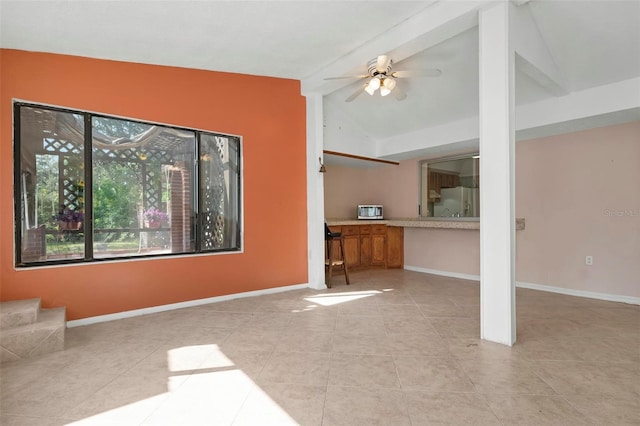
(117, 185)
(119, 128)
(117, 193)
(47, 189)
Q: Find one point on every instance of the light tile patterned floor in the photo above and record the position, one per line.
(394, 348)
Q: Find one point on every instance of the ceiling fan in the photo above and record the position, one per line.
(380, 75)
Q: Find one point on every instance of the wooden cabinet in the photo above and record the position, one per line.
(335, 245)
(438, 180)
(365, 250)
(378, 245)
(395, 247)
(372, 245)
(351, 236)
(367, 246)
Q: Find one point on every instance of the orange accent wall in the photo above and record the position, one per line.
(269, 114)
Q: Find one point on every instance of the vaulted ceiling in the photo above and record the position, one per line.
(591, 49)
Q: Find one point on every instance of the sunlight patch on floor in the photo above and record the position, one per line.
(134, 413)
(337, 298)
(197, 357)
(202, 396)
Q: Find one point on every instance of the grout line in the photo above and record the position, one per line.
(335, 316)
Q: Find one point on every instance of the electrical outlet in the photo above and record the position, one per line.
(589, 260)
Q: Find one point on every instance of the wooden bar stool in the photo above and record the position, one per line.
(332, 259)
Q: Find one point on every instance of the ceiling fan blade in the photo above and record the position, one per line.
(383, 63)
(432, 72)
(346, 77)
(399, 94)
(355, 94)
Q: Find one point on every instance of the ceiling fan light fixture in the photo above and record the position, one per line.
(389, 83)
(374, 83)
(380, 75)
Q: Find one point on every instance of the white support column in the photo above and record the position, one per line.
(497, 176)
(315, 192)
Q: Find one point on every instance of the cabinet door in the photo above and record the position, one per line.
(352, 250)
(365, 250)
(395, 247)
(378, 250)
(349, 230)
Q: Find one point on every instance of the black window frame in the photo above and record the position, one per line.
(88, 190)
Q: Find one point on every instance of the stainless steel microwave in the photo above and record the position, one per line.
(370, 211)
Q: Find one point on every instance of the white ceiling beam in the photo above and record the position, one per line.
(592, 102)
(532, 54)
(569, 113)
(415, 144)
(436, 23)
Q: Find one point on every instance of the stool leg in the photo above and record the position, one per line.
(344, 262)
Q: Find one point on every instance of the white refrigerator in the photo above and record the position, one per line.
(458, 202)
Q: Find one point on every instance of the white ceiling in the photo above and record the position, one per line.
(592, 43)
(288, 39)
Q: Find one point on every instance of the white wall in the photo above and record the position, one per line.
(342, 134)
(455, 251)
(395, 187)
(580, 195)
(578, 192)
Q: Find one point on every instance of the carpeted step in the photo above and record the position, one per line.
(43, 336)
(19, 312)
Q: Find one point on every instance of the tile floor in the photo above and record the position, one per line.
(394, 348)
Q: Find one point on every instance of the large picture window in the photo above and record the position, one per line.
(90, 187)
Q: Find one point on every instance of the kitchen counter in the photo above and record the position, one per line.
(436, 222)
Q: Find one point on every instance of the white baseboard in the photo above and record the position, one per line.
(532, 286)
(180, 305)
(580, 293)
(443, 273)
(540, 287)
